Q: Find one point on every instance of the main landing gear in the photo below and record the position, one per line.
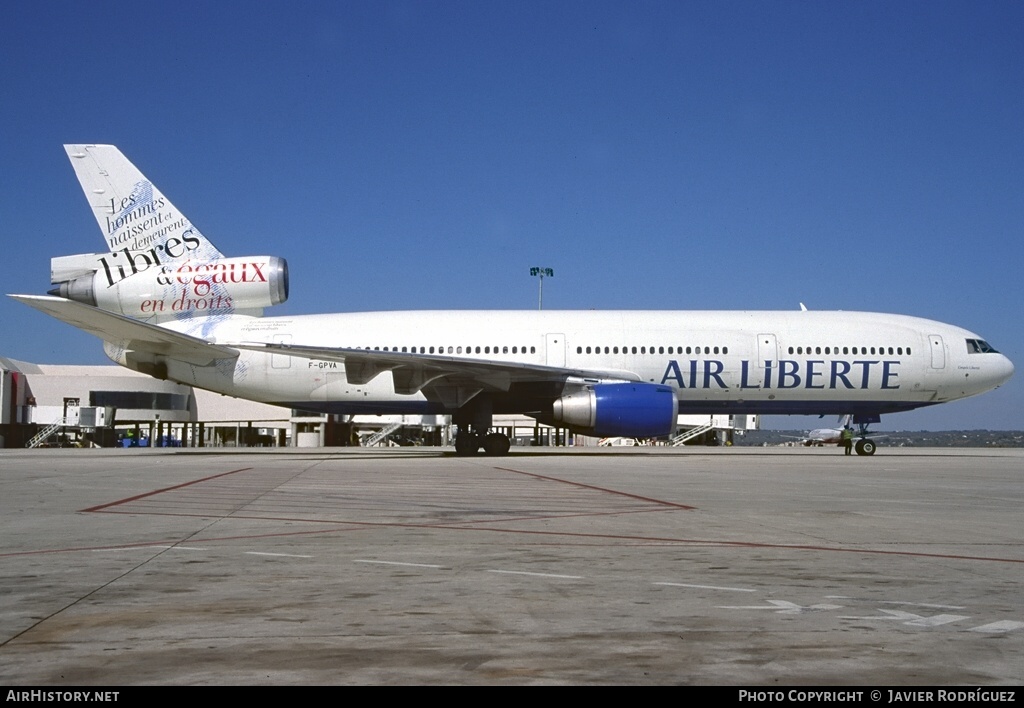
(468, 442)
(473, 421)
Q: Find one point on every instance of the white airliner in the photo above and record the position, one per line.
(819, 437)
(167, 303)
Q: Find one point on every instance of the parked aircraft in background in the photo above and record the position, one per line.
(820, 437)
(167, 303)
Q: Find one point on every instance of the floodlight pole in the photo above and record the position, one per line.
(541, 272)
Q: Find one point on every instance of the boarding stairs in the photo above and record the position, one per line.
(690, 434)
(44, 434)
(618, 442)
(381, 434)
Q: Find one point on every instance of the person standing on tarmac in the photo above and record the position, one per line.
(847, 438)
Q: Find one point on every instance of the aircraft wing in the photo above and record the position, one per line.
(436, 375)
(131, 334)
(451, 380)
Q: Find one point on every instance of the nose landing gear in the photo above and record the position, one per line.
(865, 447)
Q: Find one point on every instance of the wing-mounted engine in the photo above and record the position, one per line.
(138, 285)
(634, 410)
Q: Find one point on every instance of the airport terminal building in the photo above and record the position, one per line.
(105, 404)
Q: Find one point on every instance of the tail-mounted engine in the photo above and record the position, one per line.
(136, 284)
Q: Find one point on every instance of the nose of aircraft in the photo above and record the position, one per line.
(1002, 371)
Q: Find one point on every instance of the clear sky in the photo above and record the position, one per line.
(656, 155)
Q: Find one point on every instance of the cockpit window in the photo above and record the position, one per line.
(980, 346)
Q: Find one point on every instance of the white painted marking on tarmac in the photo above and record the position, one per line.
(1002, 626)
(538, 575)
(276, 555)
(147, 548)
(707, 587)
(922, 604)
(410, 565)
(783, 607)
(912, 620)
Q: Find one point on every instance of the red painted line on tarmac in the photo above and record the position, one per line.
(481, 525)
(599, 489)
(464, 524)
(165, 489)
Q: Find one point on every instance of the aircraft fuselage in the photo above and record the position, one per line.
(743, 362)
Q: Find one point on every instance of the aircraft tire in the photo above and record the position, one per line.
(496, 444)
(866, 447)
(466, 444)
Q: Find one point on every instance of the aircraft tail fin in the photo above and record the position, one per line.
(131, 212)
(159, 266)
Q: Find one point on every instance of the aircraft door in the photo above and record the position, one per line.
(767, 351)
(938, 351)
(554, 345)
(281, 361)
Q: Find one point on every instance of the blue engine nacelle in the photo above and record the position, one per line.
(631, 410)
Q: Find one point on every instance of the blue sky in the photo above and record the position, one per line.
(656, 155)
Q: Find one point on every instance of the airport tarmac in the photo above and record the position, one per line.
(735, 566)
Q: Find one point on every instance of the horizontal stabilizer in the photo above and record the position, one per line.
(131, 334)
